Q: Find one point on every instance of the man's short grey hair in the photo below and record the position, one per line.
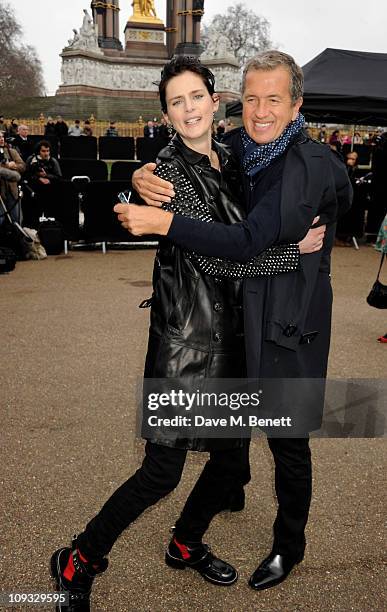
(269, 60)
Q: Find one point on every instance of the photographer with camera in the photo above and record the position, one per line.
(42, 177)
(11, 168)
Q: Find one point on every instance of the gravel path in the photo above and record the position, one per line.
(72, 351)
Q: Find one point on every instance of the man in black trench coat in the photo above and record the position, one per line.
(288, 180)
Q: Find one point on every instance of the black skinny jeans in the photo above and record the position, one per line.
(161, 471)
(158, 475)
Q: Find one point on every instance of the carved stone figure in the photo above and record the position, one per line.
(88, 23)
(74, 41)
(87, 37)
(219, 46)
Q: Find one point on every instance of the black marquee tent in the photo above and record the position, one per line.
(342, 87)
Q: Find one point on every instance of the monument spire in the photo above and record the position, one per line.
(189, 15)
(106, 16)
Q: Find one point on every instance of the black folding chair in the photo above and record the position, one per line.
(148, 148)
(66, 211)
(95, 169)
(80, 174)
(123, 170)
(79, 147)
(119, 147)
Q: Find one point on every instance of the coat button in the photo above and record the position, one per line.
(218, 307)
(290, 330)
(217, 337)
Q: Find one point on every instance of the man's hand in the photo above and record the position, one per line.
(140, 220)
(11, 165)
(314, 239)
(153, 190)
(45, 181)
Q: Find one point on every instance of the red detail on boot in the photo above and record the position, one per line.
(82, 558)
(183, 549)
(69, 570)
(95, 565)
(383, 339)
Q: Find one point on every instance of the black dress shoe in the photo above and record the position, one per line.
(78, 590)
(273, 570)
(199, 557)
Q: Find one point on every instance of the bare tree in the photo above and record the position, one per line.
(248, 32)
(20, 68)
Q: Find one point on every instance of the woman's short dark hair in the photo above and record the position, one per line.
(178, 65)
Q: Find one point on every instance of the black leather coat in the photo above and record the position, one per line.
(196, 326)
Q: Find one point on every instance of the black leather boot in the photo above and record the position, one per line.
(78, 587)
(272, 571)
(198, 556)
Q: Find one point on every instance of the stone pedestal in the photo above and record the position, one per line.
(145, 39)
(227, 78)
(221, 60)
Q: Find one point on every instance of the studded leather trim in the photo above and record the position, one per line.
(275, 260)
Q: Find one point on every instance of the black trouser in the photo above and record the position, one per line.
(159, 474)
(293, 485)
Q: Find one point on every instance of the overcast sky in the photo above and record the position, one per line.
(303, 28)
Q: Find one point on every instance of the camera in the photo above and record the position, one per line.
(37, 166)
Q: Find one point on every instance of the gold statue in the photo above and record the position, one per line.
(144, 11)
(147, 8)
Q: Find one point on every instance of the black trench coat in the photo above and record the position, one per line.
(287, 317)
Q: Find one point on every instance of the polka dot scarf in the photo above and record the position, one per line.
(257, 157)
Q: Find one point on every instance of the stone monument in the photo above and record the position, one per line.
(94, 63)
(221, 60)
(95, 66)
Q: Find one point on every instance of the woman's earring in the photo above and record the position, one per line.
(170, 130)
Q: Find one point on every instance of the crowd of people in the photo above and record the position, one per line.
(336, 139)
(29, 171)
(36, 166)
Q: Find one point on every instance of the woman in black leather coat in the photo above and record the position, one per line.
(196, 331)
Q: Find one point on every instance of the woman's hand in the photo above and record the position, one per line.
(313, 240)
(153, 190)
(140, 220)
